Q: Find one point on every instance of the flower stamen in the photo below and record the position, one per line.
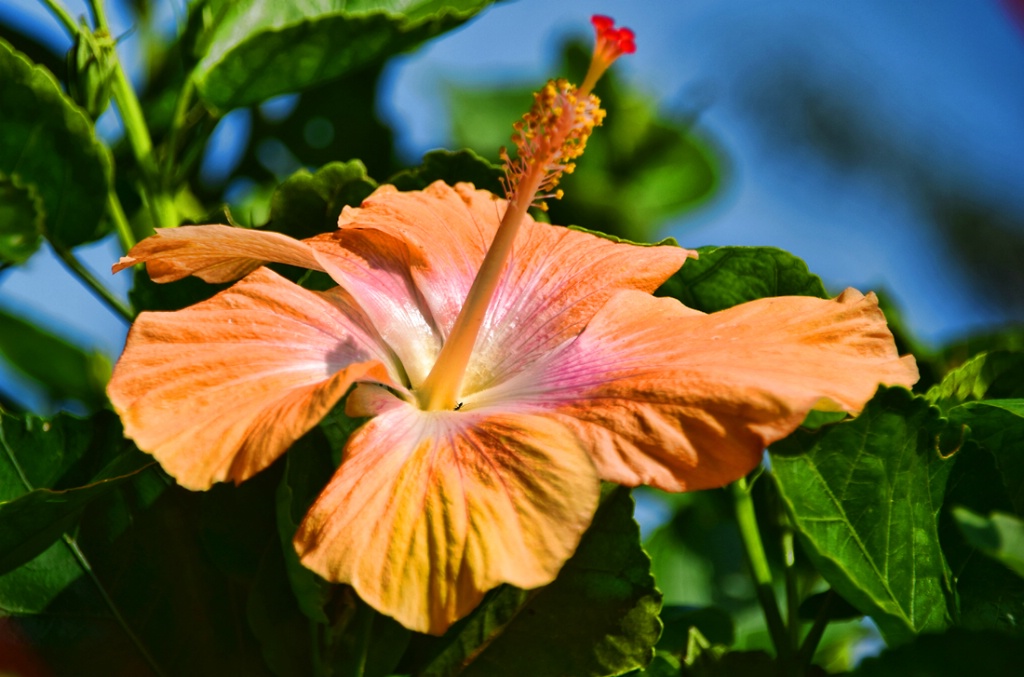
(548, 138)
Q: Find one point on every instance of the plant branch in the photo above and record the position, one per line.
(104, 294)
(753, 548)
(124, 229)
(178, 122)
(160, 204)
(62, 15)
(813, 638)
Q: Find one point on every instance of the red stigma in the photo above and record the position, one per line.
(610, 40)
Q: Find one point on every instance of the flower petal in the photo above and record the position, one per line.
(429, 510)
(219, 390)
(374, 267)
(214, 253)
(555, 281)
(671, 397)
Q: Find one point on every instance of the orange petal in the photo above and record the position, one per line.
(219, 390)
(554, 283)
(667, 396)
(214, 253)
(430, 510)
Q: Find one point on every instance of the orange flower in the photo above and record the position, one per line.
(507, 366)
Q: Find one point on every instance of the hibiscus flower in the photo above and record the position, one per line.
(506, 367)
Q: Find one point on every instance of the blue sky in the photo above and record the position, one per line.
(944, 77)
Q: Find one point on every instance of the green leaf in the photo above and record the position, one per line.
(47, 142)
(713, 623)
(994, 375)
(282, 630)
(998, 426)
(308, 204)
(954, 653)
(990, 595)
(308, 468)
(451, 167)
(34, 521)
(865, 497)
(63, 369)
(599, 617)
(726, 276)
(21, 220)
(999, 536)
(835, 607)
(261, 48)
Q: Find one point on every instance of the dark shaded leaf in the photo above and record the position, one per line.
(726, 276)
(22, 220)
(451, 167)
(309, 204)
(35, 520)
(64, 370)
(284, 633)
(308, 468)
(837, 609)
(714, 624)
(954, 653)
(865, 497)
(990, 595)
(261, 48)
(47, 142)
(1000, 536)
(998, 426)
(599, 617)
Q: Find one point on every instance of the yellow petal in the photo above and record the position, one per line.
(214, 253)
(430, 510)
(219, 390)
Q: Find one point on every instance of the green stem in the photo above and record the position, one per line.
(753, 548)
(84, 563)
(792, 594)
(62, 15)
(813, 638)
(104, 294)
(178, 121)
(161, 205)
(124, 229)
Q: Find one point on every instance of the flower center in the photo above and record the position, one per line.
(548, 138)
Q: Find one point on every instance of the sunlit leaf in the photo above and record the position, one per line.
(261, 48)
(865, 496)
(725, 276)
(999, 536)
(48, 143)
(954, 653)
(65, 371)
(599, 617)
(22, 218)
(998, 374)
